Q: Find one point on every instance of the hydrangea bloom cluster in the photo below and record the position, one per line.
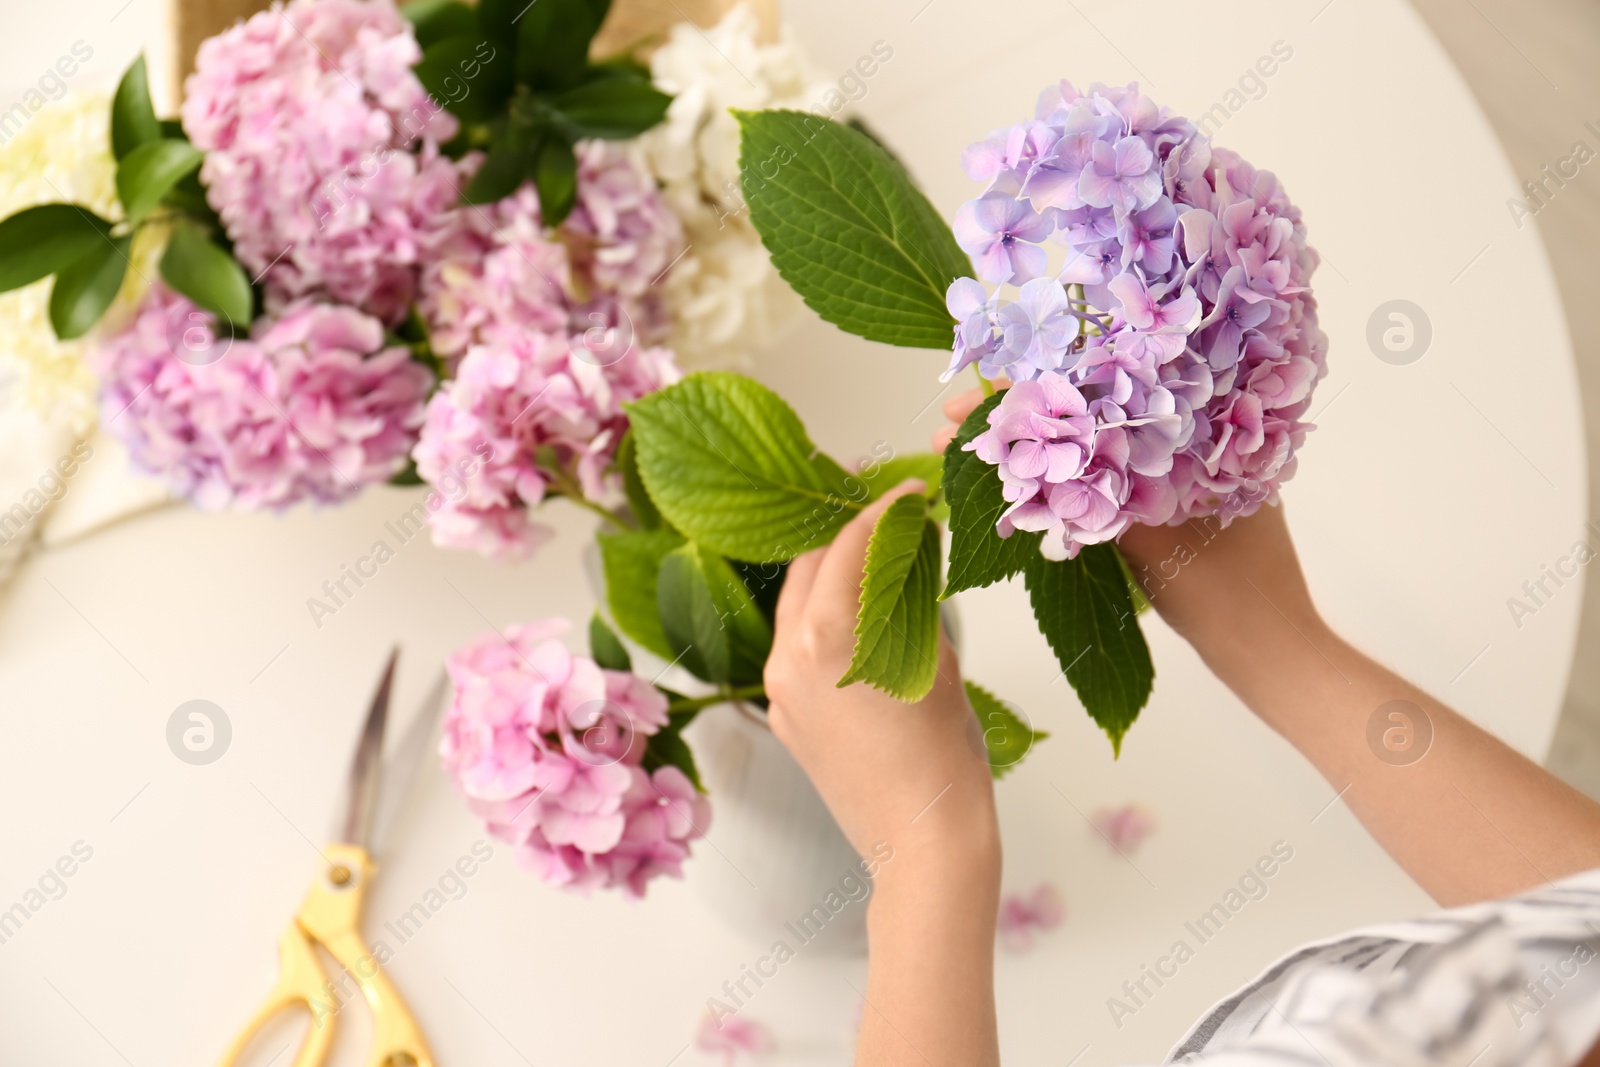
(312, 404)
(550, 334)
(726, 297)
(1164, 370)
(322, 151)
(547, 748)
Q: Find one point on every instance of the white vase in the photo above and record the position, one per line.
(779, 860)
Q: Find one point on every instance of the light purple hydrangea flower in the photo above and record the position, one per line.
(311, 405)
(322, 152)
(1169, 362)
(547, 748)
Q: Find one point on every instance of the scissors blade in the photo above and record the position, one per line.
(401, 768)
(366, 766)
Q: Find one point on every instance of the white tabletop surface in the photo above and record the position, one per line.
(1430, 493)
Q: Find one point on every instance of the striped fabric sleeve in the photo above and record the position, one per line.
(1511, 983)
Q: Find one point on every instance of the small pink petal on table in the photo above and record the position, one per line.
(1023, 916)
(1124, 829)
(731, 1035)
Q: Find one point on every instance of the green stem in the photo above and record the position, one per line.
(983, 383)
(723, 695)
(614, 517)
(568, 487)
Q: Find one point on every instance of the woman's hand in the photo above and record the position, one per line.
(912, 777)
(910, 786)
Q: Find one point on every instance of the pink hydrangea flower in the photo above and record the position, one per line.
(547, 747)
(549, 334)
(1024, 916)
(623, 240)
(503, 274)
(322, 151)
(312, 404)
(732, 1036)
(1182, 320)
(1124, 828)
(528, 401)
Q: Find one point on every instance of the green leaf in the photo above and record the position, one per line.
(510, 162)
(557, 180)
(605, 648)
(1141, 603)
(133, 120)
(1084, 611)
(667, 748)
(553, 42)
(713, 625)
(612, 108)
(978, 555)
(639, 502)
(149, 172)
(38, 241)
(848, 229)
(728, 463)
(407, 475)
(897, 629)
(924, 466)
(467, 76)
(496, 18)
(631, 561)
(597, 13)
(84, 289)
(1005, 735)
(434, 20)
(207, 275)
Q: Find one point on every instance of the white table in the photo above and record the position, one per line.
(1431, 492)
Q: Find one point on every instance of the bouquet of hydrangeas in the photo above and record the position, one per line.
(418, 246)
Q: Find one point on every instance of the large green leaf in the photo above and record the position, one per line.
(84, 289)
(497, 19)
(627, 463)
(553, 42)
(434, 20)
(133, 120)
(1084, 611)
(848, 229)
(925, 466)
(713, 625)
(728, 463)
(978, 555)
(38, 241)
(149, 172)
(605, 648)
(897, 628)
(466, 75)
(1006, 737)
(631, 561)
(207, 275)
(612, 108)
(556, 177)
(511, 161)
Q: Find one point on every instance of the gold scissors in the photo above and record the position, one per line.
(330, 914)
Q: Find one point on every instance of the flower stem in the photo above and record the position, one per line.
(983, 383)
(723, 695)
(568, 487)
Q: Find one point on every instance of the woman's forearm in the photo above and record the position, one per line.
(1465, 815)
(930, 982)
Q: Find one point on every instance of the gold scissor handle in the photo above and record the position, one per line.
(330, 915)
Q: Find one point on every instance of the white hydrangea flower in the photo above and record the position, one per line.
(727, 299)
(63, 153)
